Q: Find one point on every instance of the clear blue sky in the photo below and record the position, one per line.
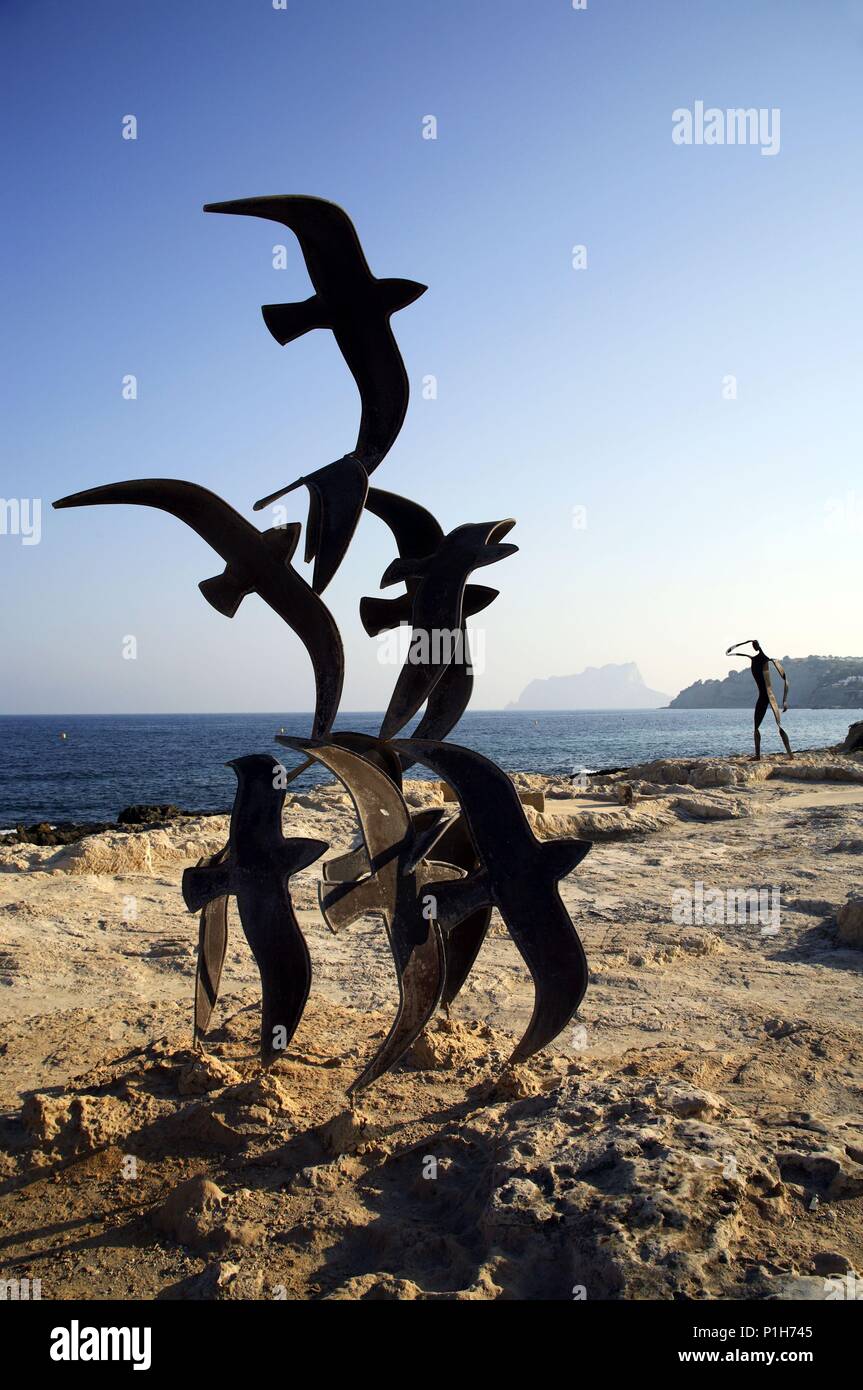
(708, 520)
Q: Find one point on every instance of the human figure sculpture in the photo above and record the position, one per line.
(760, 662)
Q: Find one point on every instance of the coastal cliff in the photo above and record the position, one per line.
(815, 682)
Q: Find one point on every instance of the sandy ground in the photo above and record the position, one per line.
(697, 1132)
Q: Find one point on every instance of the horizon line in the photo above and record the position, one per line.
(212, 714)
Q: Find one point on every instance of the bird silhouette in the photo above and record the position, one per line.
(357, 307)
(519, 876)
(394, 888)
(437, 614)
(428, 823)
(255, 562)
(212, 948)
(418, 534)
(370, 747)
(256, 869)
(464, 937)
(446, 840)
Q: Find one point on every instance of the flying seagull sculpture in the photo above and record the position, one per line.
(437, 616)
(394, 888)
(213, 931)
(255, 562)
(357, 307)
(434, 874)
(418, 534)
(212, 948)
(445, 841)
(463, 938)
(256, 869)
(519, 876)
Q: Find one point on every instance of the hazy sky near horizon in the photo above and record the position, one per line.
(707, 520)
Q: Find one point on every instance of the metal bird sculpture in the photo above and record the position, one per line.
(255, 562)
(378, 752)
(449, 842)
(394, 888)
(418, 534)
(212, 948)
(464, 936)
(437, 615)
(519, 876)
(256, 869)
(429, 824)
(434, 877)
(357, 307)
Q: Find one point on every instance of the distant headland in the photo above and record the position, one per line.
(815, 682)
(596, 687)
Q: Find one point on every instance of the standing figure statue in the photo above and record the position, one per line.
(761, 675)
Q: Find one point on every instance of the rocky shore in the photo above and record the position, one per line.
(696, 1133)
(132, 818)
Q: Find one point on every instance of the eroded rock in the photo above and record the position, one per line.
(849, 921)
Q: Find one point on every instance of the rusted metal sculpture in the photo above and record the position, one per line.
(212, 948)
(501, 864)
(433, 875)
(357, 307)
(395, 887)
(453, 845)
(437, 611)
(760, 663)
(256, 869)
(463, 939)
(418, 533)
(519, 876)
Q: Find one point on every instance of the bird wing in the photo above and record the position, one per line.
(551, 949)
(235, 539)
(338, 494)
(381, 809)
(448, 699)
(420, 966)
(487, 795)
(535, 916)
(212, 947)
(382, 381)
(209, 516)
(417, 533)
(328, 239)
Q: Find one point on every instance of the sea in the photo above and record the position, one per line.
(76, 767)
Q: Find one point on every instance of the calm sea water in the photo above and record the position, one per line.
(107, 762)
